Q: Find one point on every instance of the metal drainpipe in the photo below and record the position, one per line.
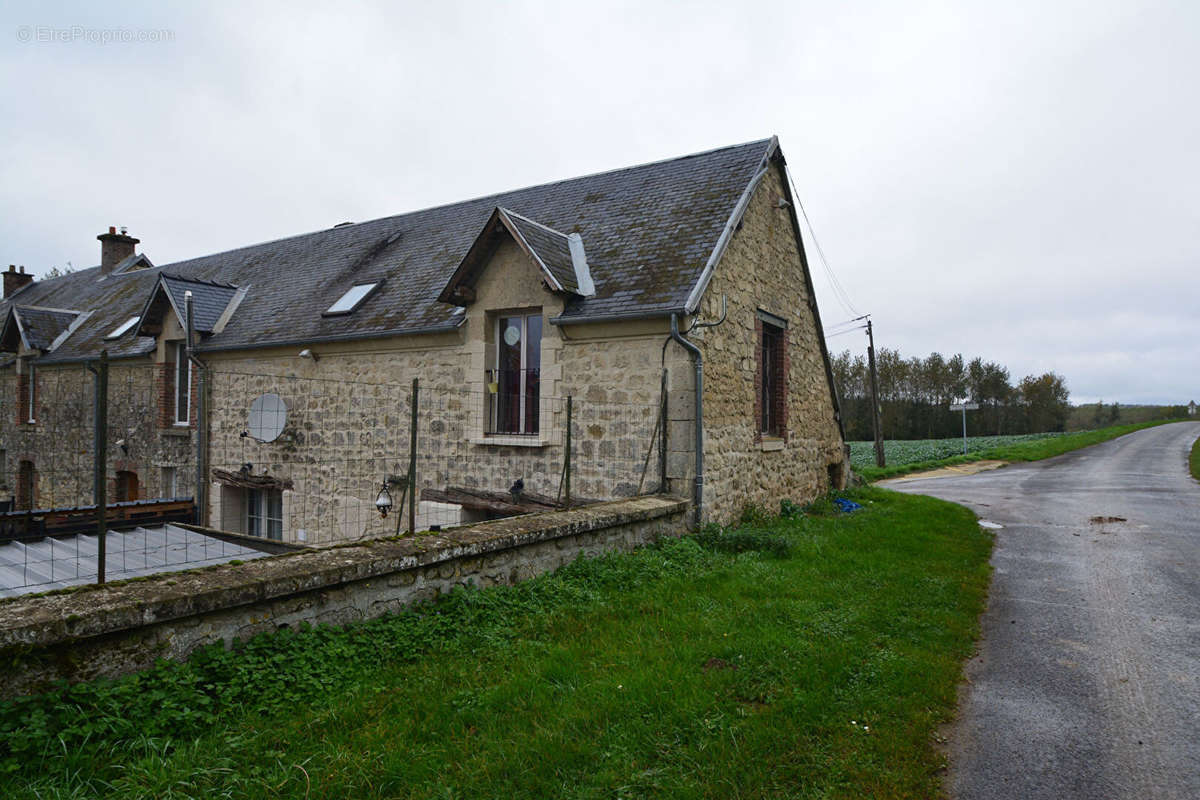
(698, 362)
(200, 495)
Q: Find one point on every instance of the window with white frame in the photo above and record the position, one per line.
(183, 384)
(514, 386)
(31, 393)
(264, 513)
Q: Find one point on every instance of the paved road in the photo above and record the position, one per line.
(1087, 682)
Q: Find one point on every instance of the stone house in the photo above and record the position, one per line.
(502, 306)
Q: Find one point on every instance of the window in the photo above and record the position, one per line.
(351, 299)
(123, 328)
(31, 393)
(170, 482)
(127, 486)
(183, 383)
(514, 384)
(264, 513)
(772, 399)
(26, 484)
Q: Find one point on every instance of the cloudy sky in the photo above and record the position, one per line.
(1013, 180)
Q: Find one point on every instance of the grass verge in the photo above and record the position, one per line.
(1034, 450)
(806, 657)
(1194, 460)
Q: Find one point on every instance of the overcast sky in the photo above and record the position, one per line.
(1016, 180)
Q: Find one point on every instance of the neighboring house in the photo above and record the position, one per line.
(570, 288)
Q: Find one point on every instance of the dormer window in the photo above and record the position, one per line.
(123, 328)
(352, 299)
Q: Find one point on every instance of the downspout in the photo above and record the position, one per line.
(698, 362)
(200, 494)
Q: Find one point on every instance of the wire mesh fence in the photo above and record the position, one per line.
(346, 447)
(300, 459)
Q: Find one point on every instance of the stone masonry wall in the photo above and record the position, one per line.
(762, 269)
(116, 629)
(60, 442)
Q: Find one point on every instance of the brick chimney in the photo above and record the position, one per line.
(15, 281)
(114, 248)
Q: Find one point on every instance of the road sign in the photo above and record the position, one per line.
(964, 407)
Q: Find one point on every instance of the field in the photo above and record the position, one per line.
(899, 452)
(812, 657)
(918, 455)
(1194, 460)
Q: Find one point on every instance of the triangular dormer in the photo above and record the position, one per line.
(35, 328)
(212, 303)
(560, 257)
(133, 263)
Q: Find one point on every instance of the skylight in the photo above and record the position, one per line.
(352, 299)
(123, 328)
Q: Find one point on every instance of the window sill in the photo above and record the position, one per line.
(514, 440)
(177, 430)
(770, 443)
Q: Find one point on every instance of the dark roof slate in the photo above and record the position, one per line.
(43, 325)
(648, 230)
(209, 299)
(550, 247)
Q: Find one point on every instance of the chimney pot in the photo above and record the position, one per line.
(15, 281)
(114, 248)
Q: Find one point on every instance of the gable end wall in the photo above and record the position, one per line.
(762, 269)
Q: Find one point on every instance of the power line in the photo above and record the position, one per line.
(843, 333)
(839, 291)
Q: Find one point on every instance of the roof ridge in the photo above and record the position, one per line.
(524, 218)
(479, 198)
(48, 308)
(200, 281)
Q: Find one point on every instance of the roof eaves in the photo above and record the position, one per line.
(337, 337)
(617, 316)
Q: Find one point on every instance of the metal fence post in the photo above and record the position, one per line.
(101, 463)
(412, 462)
(201, 494)
(567, 458)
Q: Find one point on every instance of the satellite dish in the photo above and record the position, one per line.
(268, 415)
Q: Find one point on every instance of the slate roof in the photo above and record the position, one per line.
(43, 325)
(550, 247)
(209, 299)
(648, 232)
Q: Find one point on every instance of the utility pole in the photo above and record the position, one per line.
(880, 461)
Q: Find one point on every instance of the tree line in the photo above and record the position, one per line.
(916, 393)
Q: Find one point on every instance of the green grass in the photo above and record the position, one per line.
(1023, 448)
(805, 657)
(1194, 460)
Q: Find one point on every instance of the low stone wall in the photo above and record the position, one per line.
(106, 631)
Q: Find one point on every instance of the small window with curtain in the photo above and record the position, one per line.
(514, 386)
(772, 376)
